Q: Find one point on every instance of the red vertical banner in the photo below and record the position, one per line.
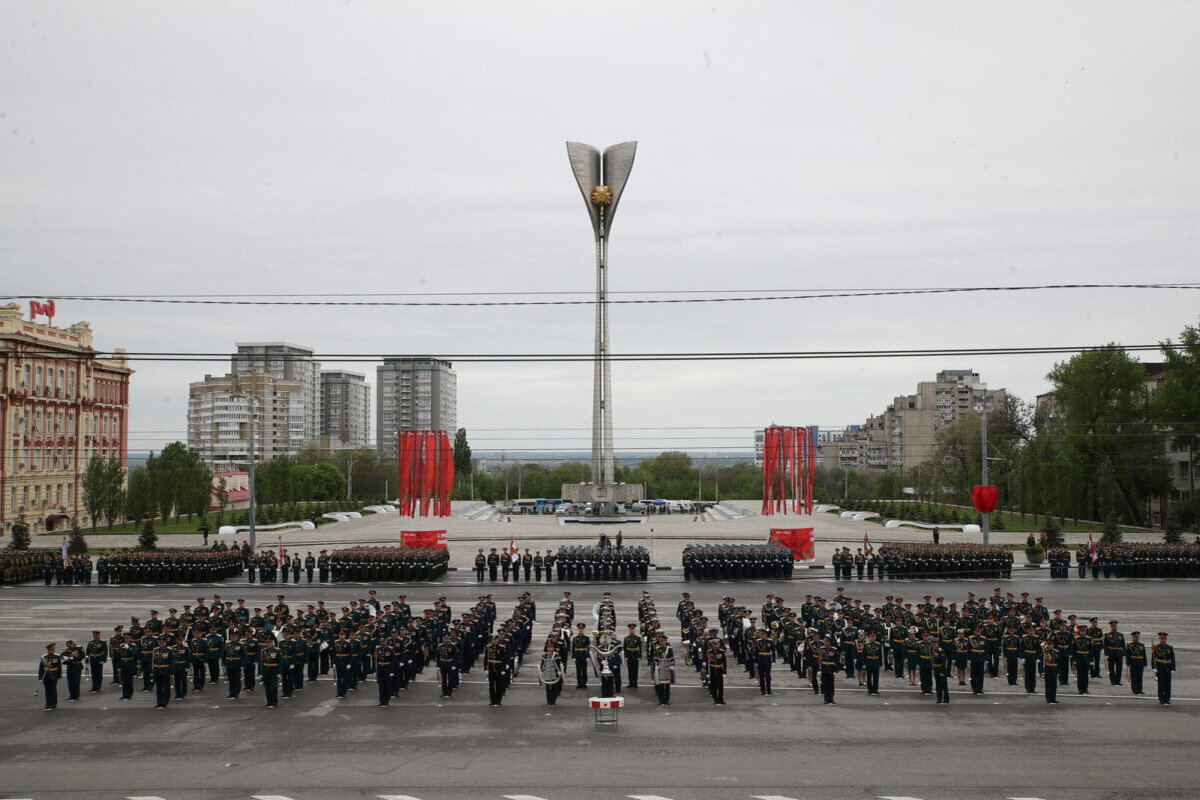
(447, 488)
(789, 467)
(426, 473)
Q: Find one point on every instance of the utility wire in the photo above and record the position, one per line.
(258, 300)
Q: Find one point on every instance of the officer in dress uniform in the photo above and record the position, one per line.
(235, 652)
(163, 661)
(1135, 656)
(632, 647)
(49, 673)
(664, 657)
(72, 659)
(480, 564)
(1163, 656)
(97, 654)
(1050, 657)
(496, 657)
(270, 659)
(872, 657)
(1114, 651)
(715, 658)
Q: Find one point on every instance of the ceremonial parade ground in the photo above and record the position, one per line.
(1002, 744)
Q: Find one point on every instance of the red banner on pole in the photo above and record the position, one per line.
(985, 498)
(423, 539)
(426, 473)
(798, 540)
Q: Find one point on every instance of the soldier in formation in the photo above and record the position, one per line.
(595, 563)
(904, 560)
(1127, 560)
(737, 561)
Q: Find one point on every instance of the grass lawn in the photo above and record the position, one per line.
(1014, 522)
(170, 526)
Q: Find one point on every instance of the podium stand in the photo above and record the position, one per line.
(607, 709)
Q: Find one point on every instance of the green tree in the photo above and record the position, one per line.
(77, 544)
(1112, 531)
(195, 486)
(462, 453)
(167, 477)
(1177, 400)
(222, 500)
(1100, 418)
(95, 489)
(149, 539)
(20, 535)
(114, 494)
(139, 495)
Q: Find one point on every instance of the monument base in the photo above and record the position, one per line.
(597, 519)
(604, 495)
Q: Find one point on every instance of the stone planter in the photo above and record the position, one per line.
(1035, 557)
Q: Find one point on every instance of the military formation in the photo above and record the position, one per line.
(932, 644)
(166, 566)
(925, 646)
(1126, 560)
(19, 566)
(899, 561)
(600, 651)
(371, 564)
(279, 649)
(602, 563)
(737, 561)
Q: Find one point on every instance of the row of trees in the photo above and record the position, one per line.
(1095, 450)
(175, 482)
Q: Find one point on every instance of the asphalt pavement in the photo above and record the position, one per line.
(1004, 744)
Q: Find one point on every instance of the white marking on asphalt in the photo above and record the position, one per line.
(771, 797)
(316, 711)
(270, 797)
(523, 797)
(144, 797)
(397, 797)
(896, 797)
(1024, 798)
(647, 797)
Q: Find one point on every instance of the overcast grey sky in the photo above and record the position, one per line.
(301, 147)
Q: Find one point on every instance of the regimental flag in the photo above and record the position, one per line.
(867, 549)
(281, 548)
(1093, 555)
(64, 550)
(512, 548)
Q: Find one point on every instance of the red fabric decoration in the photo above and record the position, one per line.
(798, 540)
(789, 467)
(426, 473)
(434, 539)
(985, 498)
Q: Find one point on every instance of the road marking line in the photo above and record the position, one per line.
(317, 711)
(771, 797)
(896, 797)
(144, 797)
(270, 797)
(647, 797)
(397, 797)
(523, 797)
(1024, 798)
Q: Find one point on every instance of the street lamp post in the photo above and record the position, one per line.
(350, 476)
(251, 399)
(986, 517)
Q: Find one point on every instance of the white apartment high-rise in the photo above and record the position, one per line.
(413, 394)
(288, 362)
(219, 419)
(346, 408)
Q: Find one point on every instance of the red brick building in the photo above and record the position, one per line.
(60, 405)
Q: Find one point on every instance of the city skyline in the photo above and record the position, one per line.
(868, 148)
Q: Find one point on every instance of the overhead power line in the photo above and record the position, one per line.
(749, 355)
(726, 296)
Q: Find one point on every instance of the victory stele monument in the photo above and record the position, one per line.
(602, 179)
